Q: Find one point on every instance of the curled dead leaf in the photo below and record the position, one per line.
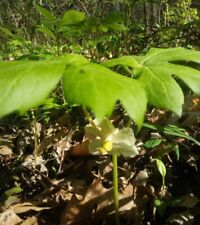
(81, 149)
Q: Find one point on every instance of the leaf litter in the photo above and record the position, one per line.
(52, 185)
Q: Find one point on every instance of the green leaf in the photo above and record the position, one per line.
(150, 126)
(112, 18)
(123, 60)
(179, 132)
(172, 130)
(70, 31)
(155, 71)
(46, 13)
(171, 55)
(161, 89)
(152, 143)
(161, 206)
(99, 88)
(72, 17)
(12, 191)
(117, 27)
(161, 167)
(25, 84)
(7, 32)
(46, 31)
(177, 152)
(45, 22)
(162, 170)
(188, 75)
(74, 59)
(158, 66)
(114, 21)
(102, 28)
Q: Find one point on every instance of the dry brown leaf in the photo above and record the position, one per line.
(52, 140)
(27, 206)
(81, 149)
(141, 178)
(5, 150)
(189, 200)
(182, 218)
(9, 217)
(30, 221)
(97, 204)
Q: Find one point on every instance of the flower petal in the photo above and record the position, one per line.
(123, 142)
(94, 146)
(106, 128)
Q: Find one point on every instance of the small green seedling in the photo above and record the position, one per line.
(162, 170)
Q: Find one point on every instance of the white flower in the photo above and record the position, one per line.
(104, 138)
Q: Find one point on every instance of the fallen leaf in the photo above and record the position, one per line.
(189, 200)
(27, 206)
(183, 218)
(30, 221)
(9, 217)
(141, 178)
(96, 204)
(81, 149)
(5, 150)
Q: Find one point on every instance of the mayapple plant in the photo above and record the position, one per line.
(104, 138)
(26, 84)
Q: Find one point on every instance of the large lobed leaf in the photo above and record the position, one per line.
(25, 84)
(155, 71)
(99, 88)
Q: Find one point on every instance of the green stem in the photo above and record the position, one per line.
(115, 186)
(88, 116)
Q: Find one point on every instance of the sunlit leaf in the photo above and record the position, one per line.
(72, 17)
(123, 60)
(155, 71)
(25, 84)
(179, 132)
(99, 88)
(172, 130)
(162, 169)
(152, 143)
(46, 31)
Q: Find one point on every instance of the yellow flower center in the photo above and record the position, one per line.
(106, 147)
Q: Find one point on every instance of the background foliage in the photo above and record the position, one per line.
(108, 28)
(39, 172)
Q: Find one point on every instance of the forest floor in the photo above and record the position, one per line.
(44, 181)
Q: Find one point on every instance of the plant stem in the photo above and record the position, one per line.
(35, 131)
(88, 116)
(115, 186)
